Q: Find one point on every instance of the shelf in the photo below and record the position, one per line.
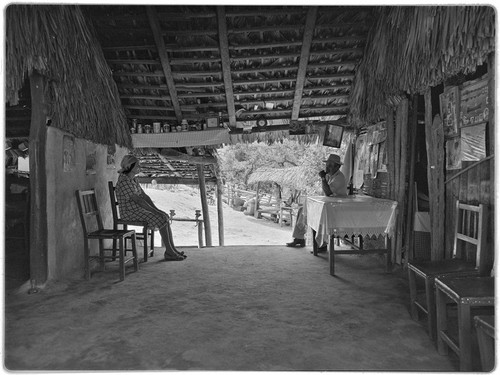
(181, 139)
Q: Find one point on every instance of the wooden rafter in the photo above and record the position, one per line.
(165, 63)
(169, 166)
(304, 58)
(226, 64)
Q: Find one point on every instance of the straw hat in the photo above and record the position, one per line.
(333, 158)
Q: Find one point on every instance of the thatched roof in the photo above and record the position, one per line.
(292, 177)
(412, 48)
(57, 42)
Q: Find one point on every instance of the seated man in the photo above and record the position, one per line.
(334, 185)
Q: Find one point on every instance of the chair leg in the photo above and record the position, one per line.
(413, 293)
(86, 254)
(115, 227)
(101, 255)
(134, 253)
(464, 337)
(442, 323)
(122, 259)
(431, 307)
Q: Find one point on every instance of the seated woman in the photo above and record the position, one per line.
(136, 205)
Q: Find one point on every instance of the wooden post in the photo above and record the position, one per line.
(402, 129)
(411, 176)
(256, 206)
(390, 151)
(38, 182)
(204, 205)
(434, 139)
(220, 215)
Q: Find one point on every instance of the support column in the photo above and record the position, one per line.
(38, 182)
(204, 205)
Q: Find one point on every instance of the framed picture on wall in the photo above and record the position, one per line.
(333, 136)
(212, 122)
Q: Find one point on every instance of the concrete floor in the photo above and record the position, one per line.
(232, 308)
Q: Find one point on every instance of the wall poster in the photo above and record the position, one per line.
(68, 156)
(474, 102)
(450, 110)
(453, 154)
(473, 142)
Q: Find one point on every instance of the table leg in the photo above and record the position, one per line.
(315, 245)
(441, 321)
(464, 337)
(331, 256)
(388, 255)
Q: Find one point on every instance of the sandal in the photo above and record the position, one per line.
(173, 259)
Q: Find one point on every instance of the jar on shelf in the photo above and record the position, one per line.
(156, 127)
(147, 129)
(139, 128)
(166, 127)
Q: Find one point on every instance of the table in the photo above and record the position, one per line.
(467, 293)
(331, 217)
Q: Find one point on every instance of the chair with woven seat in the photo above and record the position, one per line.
(469, 259)
(117, 221)
(93, 230)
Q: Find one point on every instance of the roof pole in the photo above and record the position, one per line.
(204, 205)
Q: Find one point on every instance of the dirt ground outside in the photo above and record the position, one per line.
(239, 229)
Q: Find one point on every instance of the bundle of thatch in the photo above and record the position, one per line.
(57, 42)
(412, 48)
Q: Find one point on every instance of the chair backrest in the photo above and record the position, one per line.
(114, 202)
(470, 234)
(89, 210)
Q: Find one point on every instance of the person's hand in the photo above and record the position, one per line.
(322, 174)
(164, 214)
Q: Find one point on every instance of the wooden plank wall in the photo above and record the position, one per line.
(476, 185)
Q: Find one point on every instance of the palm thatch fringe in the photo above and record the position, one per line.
(292, 177)
(412, 48)
(57, 42)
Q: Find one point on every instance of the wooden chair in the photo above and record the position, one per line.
(469, 296)
(469, 259)
(117, 221)
(93, 229)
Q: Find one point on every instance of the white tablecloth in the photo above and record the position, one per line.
(356, 215)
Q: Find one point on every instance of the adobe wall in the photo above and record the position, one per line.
(64, 176)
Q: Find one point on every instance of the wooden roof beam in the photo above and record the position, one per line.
(169, 166)
(304, 59)
(165, 63)
(226, 64)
